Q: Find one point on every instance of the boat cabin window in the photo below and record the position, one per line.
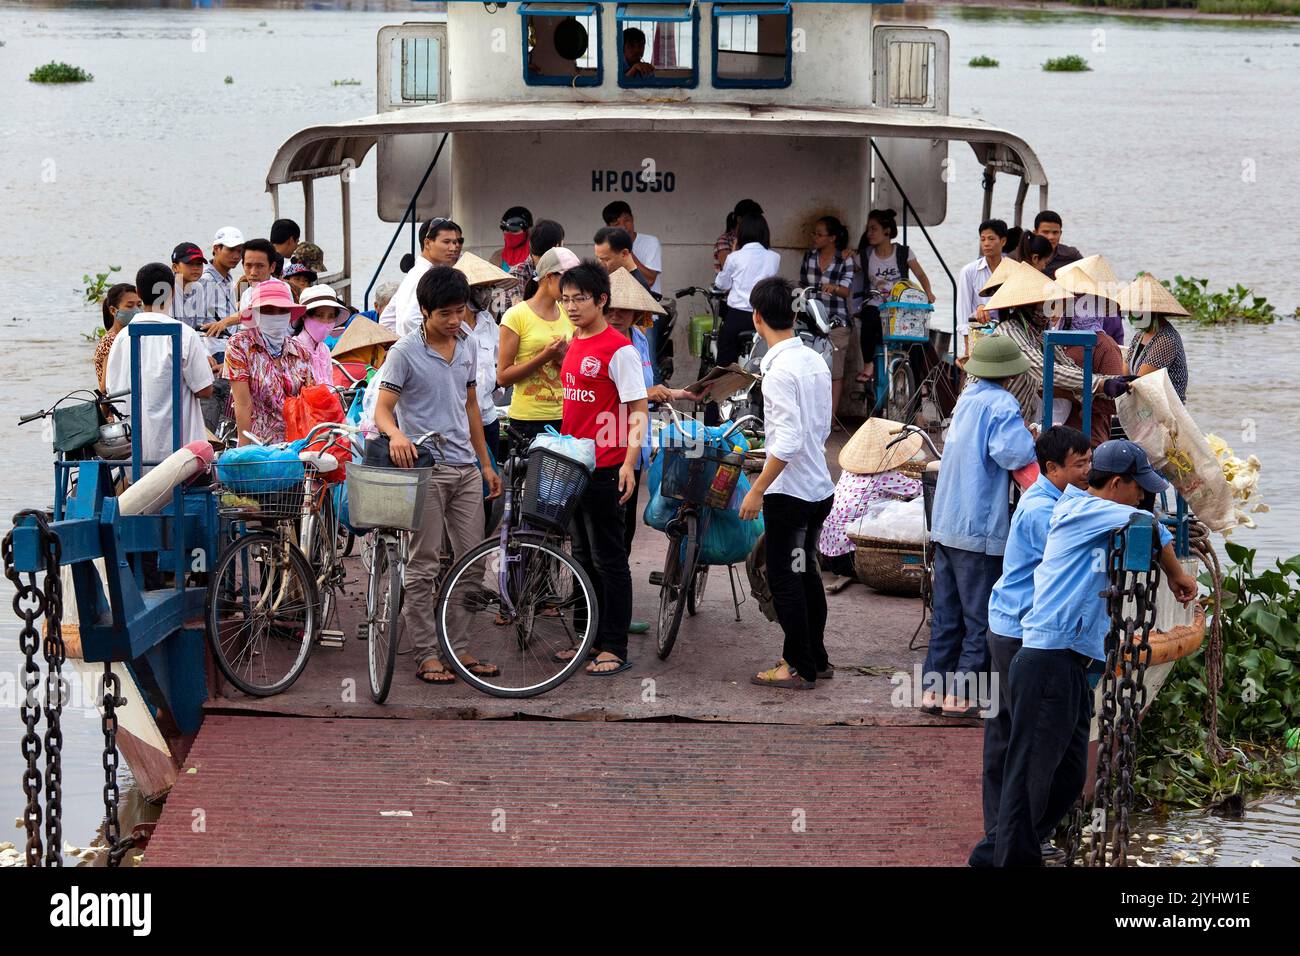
(561, 44)
(752, 45)
(658, 45)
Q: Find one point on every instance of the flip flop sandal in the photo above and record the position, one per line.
(482, 669)
(564, 660)
(839, 584)
(970, 711)
(769, 679)
(622, 666)
(432, 676)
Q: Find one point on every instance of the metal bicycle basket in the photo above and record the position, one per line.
(260, 490)
(380, 497)
(701, 474)
(552, 487)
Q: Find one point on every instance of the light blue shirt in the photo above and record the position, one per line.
(1069, 612)
(1013, 595)
(986, 441)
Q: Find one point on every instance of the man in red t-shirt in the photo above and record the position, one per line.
(604, 400)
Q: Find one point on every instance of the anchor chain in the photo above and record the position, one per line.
(32, 602)
(1123, 698)
(112, 699)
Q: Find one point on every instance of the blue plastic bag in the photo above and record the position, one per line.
(259, 469)
(727, 539)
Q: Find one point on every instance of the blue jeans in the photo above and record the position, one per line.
(959, 622)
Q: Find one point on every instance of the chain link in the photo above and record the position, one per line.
(111, 700)
(1123, 698)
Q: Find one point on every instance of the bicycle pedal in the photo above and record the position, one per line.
(330, 638)
(657, 578)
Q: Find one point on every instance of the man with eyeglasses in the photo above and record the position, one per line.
(604, 400)
(440, 244)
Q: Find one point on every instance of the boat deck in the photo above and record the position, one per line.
(681, 761)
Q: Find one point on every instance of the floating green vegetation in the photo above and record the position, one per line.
(59, 73)
(1258, 704)
(228, 80)
(982, 60)
(1067, 64)
(1237, 304)
(94, 287)
(345, 82)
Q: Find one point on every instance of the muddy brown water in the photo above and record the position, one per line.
(1186, 176)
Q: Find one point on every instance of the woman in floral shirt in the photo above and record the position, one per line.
(265, 364)
(121, 303)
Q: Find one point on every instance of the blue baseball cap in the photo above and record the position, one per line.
(1127, 458)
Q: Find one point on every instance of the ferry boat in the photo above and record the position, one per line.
(810, 108)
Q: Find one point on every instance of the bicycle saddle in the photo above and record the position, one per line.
(320, 460)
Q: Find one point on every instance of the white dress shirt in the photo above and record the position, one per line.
(969, 282)
(402, 314)
(743, 270)
(650, 254)
(797, 418)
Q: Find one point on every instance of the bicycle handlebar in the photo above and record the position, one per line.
(340, 428)
(95, 398)
(696, 290)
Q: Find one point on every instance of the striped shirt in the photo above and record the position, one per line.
(839, 272)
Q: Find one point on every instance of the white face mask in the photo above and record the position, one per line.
(274, 329)
(1141, 321)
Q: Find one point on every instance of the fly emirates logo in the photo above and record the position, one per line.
(589, 368)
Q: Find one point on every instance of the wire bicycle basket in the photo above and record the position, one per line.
(552, 487)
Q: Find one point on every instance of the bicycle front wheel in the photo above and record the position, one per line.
(383, 617)
(517, 609)
(679, 576)
(902, 391)
(261, 613)
(319, 542)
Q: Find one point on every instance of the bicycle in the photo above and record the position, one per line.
(264, 607)
(518, 598)
(696, 474)
(80, 434)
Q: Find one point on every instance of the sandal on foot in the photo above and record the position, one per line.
(622, 665)
(482, 668)
(435, 675)
(839, 584)
(957, 707)
(566, 655)
(930, 703)
(772, 678)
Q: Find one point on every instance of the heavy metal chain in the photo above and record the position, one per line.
(111, 700)
(1123, 698)
(32, 602)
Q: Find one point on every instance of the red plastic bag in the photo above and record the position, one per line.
(312, 406)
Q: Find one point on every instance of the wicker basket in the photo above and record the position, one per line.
(891, 567)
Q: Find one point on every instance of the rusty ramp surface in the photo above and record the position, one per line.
(266, 790)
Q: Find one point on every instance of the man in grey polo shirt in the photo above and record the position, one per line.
(428, 385)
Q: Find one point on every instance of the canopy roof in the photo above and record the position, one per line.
(318, 148)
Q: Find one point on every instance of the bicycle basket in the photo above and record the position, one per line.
(700, 474)
(906, 321)
(552, 487)
(261, 490)
(386, 497)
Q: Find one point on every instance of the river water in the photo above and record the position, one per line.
(1174, 155)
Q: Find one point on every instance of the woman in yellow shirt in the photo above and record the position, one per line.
(534, 336)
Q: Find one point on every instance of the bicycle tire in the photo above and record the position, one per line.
(383, 618)
(695, 594)
(679, 569)
(222, 608)
(318, 542)
(463, 584)
(902, 389)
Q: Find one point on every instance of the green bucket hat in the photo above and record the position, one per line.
(996, 356)
(310, 255)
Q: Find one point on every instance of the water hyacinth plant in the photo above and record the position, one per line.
(59, 73)
(983, 61)
(1067, 64)
(1237, 304)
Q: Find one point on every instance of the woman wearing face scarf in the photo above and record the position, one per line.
(1157, 345)
(121, 304)
(515, 224)
(265, 364)
(324, 313)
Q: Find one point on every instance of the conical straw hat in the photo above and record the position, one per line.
(1095, 266)
(999, 276)
(479, 271)
(361, 333)
(865, 452)
(626, 293)
(1076, 277)
(1026, 286)
(1145, 295)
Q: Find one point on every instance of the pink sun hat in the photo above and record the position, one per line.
(272, 292)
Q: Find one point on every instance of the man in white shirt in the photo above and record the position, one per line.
(970, 304)
(440, 244)
(154, 283)
(794, 491)
(647, 251)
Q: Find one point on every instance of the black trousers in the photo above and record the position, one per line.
(870, 334)
(734, 322)
(630, 517)
(792, 528)
(1047, 755)
(598, 546)
(997, 733)
(531, 429)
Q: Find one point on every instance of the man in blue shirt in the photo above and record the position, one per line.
(1064, 458)
(1063, 633)
(970, 520)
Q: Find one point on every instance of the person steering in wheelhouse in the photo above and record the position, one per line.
(428, 384)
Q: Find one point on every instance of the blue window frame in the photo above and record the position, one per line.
(545, 62)
(672, 32)
(752, 45)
